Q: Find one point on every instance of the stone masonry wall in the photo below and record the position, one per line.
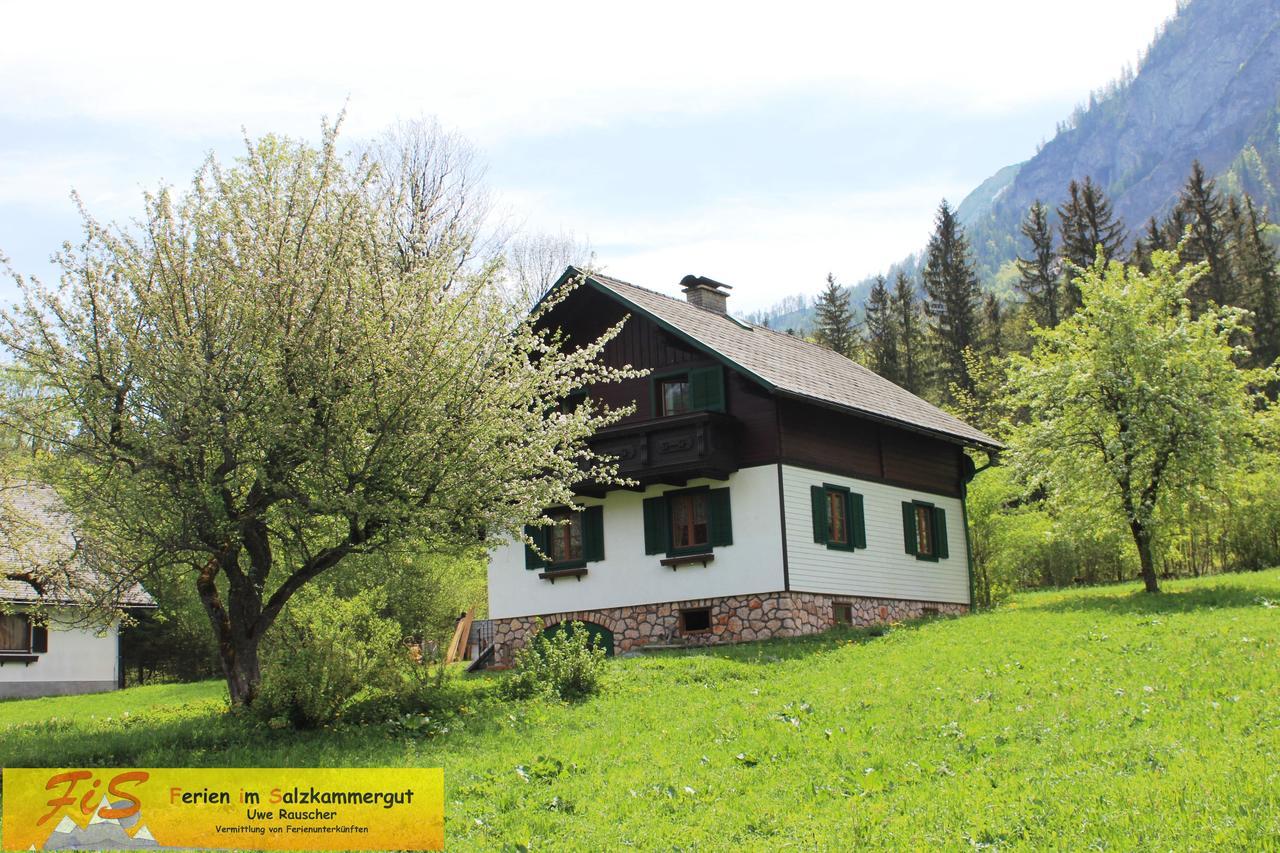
(733, 619)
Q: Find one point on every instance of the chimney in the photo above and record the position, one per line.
(706, 293)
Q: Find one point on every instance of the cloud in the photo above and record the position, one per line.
(521, 68)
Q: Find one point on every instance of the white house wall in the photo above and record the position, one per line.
(883, 569)
(79, 660)
(627, 576)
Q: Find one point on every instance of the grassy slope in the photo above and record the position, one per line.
(1090, 717)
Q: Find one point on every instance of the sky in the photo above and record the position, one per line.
(762, 145)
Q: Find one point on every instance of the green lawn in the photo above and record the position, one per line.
(1096, 718)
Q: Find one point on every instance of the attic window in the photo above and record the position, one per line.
(673, 395)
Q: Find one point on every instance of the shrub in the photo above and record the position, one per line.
(567, 664)
(322, 652)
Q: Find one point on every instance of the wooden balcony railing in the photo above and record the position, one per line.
(671, 450)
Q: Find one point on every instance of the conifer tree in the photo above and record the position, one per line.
(1039, 278)
(993, 318)
(951, 288)
(1156, 239)
(1254, 262)
(835, 324)
(910, 331)
(1086, 222)
(882, 332)
(1205, 212)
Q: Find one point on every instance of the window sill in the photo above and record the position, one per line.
(553, 574)
(18, 657)
(841, 546)
(687, 559)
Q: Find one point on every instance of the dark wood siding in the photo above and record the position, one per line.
(586, 314)
(770, 429)
(827, 440)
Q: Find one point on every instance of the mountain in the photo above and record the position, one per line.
(1208, 88)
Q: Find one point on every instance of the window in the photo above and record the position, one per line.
(842, 613)
(689, 525)
(15, 633)
(695, 620)
(673, 396)
(838, 521)
(697, 390)
(924, 530)
(565, 539)
(687, 521)
(577, 538)
(571, 401)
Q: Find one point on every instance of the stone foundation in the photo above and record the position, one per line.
(734, 619)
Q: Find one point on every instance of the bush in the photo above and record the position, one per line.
(567, 664)
(322, 652)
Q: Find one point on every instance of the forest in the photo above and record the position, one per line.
(1140, 364)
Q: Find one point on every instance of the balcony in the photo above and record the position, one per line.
(671, 450)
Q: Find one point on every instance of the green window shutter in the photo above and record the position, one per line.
(706, 389)
(538, 535)
(657, 531)
(593, 534)
(720, 517)
(857, 523)
(909, 526)
(818, 497)
(39, 639)
(940, 532)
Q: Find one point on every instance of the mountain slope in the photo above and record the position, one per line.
(1207, 89)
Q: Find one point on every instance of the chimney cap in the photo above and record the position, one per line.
(689, 282)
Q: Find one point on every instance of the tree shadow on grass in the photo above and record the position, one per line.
(1218, 596)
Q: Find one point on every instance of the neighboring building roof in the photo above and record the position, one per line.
(40, 559)
(791, 366)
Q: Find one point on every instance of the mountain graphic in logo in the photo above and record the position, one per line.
(102, 833)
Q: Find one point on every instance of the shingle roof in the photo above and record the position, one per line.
(791, 366)
(38, 541)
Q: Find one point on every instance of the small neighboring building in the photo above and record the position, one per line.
(44, 574)
(780, 488)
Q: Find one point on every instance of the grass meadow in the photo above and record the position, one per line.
(1098, 718)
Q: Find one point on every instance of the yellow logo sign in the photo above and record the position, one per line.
(240, 808)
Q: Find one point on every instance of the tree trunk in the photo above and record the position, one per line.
(1142, 538)
(242, 672)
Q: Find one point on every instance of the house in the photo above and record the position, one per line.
(51, 643)
(780, 489)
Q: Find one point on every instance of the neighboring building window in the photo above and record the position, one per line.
(15, 633)
(575, 540)
(838, 520)
(924, 530)
(697, 390)
(687, 521)
(843, 613)
(695, 620)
